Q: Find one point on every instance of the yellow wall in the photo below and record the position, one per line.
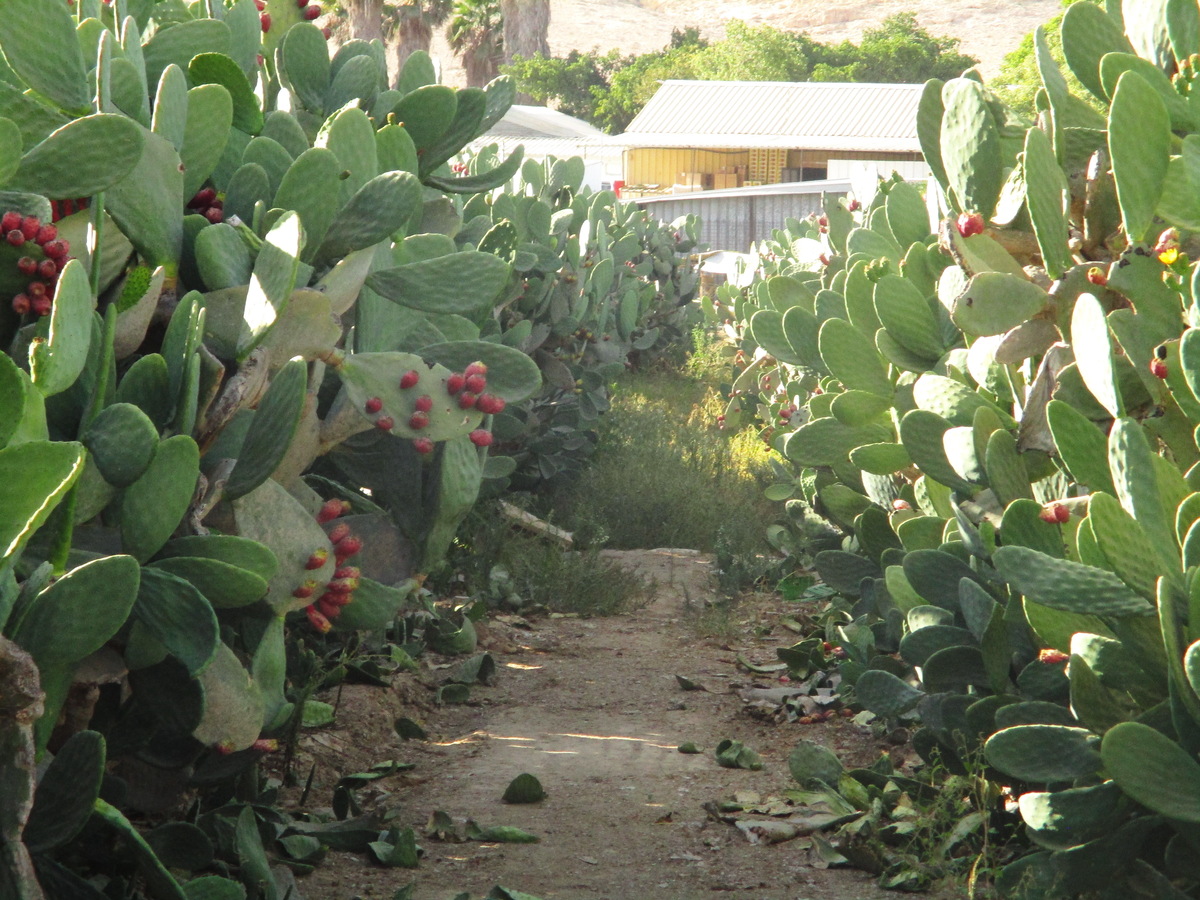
(663, 166)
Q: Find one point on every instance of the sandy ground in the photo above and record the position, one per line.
(989, 29)
(592, 708)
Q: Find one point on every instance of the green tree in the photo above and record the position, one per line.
(899, 51)
(570, 83)
(476, 35)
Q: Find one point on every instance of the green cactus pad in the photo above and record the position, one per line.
(1071, 586)
(1034, 712)
(1006, 471)
(122, 440)
(225, 586)
(153, 506)
(1088, 34)
(136, 203)
(40, 46)
(873, 244)
(233, 704)
(1081, 445)
(1022, 526)
(178, 616)
(59, 351)
(222, 257)
(271, 430)
(460, 282)
(1044, 753)
(66, 793)
(921, 532)
(952, 400)
(859, 408)
(844, 572)
(935, 576)
(1092, 342)
(1062, 819)
(1154, 770)
(217, 68)
(1056, 627)
(377, 375)
(1125, 545)
(921, 433)
(766, 329)
(955, 670)
(374, 607)
(1046, 197)
(884, 694)
(907, 317)
(1139, 136)
(917, 646)
(851, 358)
(970, 147)
(813, 765)
(511, 374)
(880, 459)
(801, 329)
(825, 441)
(996, 302)
(84, 157)
(1131, 462)
(232, 550)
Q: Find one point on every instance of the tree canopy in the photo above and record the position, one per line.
(609, 89)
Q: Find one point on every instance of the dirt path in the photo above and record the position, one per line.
(592, 708)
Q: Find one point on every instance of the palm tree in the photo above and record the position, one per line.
(526, 23)
(476, 35)
(365, 18)
(411, 24)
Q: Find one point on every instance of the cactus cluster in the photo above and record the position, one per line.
(267, 377)
(997, 397)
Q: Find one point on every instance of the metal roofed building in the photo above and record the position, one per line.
(546, 132)
(699, 135)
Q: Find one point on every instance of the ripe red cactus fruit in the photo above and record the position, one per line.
(455, 383)
(305, 590)
(21, 304)
(1052, 657)
(260, 5)
(203, 199)
(215, 215)
(418, 420)
(475, 384)
(266, 22)
(47, 269)
(332, 509)
(318, 620)
(337, 599)
(346, 548)
(1158, 368)
(1062, 514)
(15, 237)
(424, 403)
(409, 379)
(27, 265)
(56, 250)
(348, 572)
(1054, 514)
(327, 609)
(490, 404)
(385, 423)
(46, 234)
(969, 224)
(41, 305)
(35, 289)
(318, 558)
(339, 532)
(1096, 276)
(475, 368)
(481, 437)
(327, 32)
(30, 226)
(311, 12)
(265, 745)
(342, 586)
(466, 400)
(901, 504)
(423, 445)
(373, 405)
(854, 206)
(10, 220)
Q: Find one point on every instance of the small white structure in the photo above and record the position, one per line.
(546, 132)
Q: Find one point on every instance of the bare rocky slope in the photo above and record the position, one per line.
(988, 28)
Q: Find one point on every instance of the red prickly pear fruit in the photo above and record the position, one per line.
(854, 206)
(327, 32)
(1052, 657)
(318, 558)
(41, 305)
(300, 4)
(215, 215)
(475, 384)
(342, 586)
(475, 368)
(337, 599)
(30, 226)
(409, 379)
(10, 220)
(489, 404)
(327, 609)
(348, 572)
(1096, 276)
(969, 223)
(481, 437)
(21, 304)
(332, 509)
(260, 5)
(339, 532)
(305, 590)
(318, 620)
(423, 445)
(48, 269)
(418, 420)
(1062, 514)
(27, 265)
(203, 199)
(1050, 514)
(455, 383)
(424, 403)
(347, 547)
(373, 405)
(1158, 368)
(265, 18)
(311, 12)
(385, 423)
(46, 234)
(35, 289)
(56, 250)
(265, 745)
(466, 400)
(15, 237)
(901, 504)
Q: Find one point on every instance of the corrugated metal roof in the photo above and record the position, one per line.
(802, 115)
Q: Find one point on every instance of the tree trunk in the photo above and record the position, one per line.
(413, 33)
(480, 68)
(526, 23)
(366, 19)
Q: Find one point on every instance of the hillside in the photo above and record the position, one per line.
(988, 28)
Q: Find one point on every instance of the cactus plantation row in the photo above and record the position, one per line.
(267, 339)
(1000, 418)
